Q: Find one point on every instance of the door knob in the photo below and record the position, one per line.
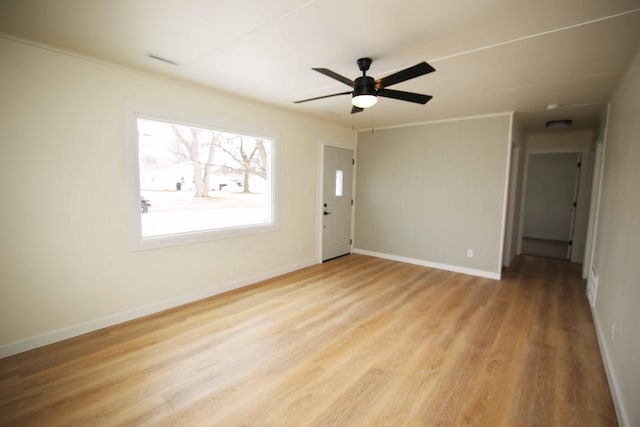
(327, 213)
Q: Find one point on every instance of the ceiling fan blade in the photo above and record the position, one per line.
(406, 74)
(418, 98)
(355, 109)
(334, 75)
(321, 97)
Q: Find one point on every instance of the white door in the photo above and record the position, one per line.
(337, 174)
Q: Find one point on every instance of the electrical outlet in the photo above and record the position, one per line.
(613, 330)
(469, 253)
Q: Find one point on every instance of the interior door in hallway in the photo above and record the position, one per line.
(337, 175)
(550, 203)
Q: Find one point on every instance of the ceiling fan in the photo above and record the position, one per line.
(366, 90)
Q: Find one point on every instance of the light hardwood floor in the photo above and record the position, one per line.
(355, 341)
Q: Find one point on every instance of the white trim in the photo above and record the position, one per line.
(133, 112)
(353, 190)
(514, 169)
(322, 143)
(523, 188)
(585, 159)
(594, 237)
(505, 196)
(593, 203)
(104, 322)
(158, 242)
(319, 196)
(614, 386)
(592, 287)
(429, 122)
(430, 264)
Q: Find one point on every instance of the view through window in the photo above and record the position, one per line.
(196, 179)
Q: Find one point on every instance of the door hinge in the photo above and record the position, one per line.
(579, 164)
(575, 204)
(353, 161)
(351, 241)
(351, 202)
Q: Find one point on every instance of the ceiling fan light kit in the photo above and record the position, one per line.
(364, 96)
(366, 89)
(364, 101)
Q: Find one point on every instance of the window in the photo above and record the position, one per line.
(339, 185)
(198, 183)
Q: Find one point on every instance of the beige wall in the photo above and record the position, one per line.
(65, 265)
(617, 247)
(430, 192)
(561, 140)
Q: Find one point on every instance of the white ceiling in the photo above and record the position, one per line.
(490, 56)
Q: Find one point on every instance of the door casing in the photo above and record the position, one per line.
(584, 191)
(320, 192)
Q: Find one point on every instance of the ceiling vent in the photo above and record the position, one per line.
(160, 58)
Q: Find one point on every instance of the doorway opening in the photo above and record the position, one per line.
(550, 201)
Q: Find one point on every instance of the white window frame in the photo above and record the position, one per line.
(139, 243)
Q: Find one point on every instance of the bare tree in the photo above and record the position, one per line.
(189, 139)
(248, 155)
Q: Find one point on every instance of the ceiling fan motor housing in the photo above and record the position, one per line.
(364, 86)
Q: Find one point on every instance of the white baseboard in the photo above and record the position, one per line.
(592, 287)
(430, 264)
(93, 325)
(614, 386)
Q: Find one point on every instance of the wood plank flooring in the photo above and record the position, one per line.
(355, 341)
